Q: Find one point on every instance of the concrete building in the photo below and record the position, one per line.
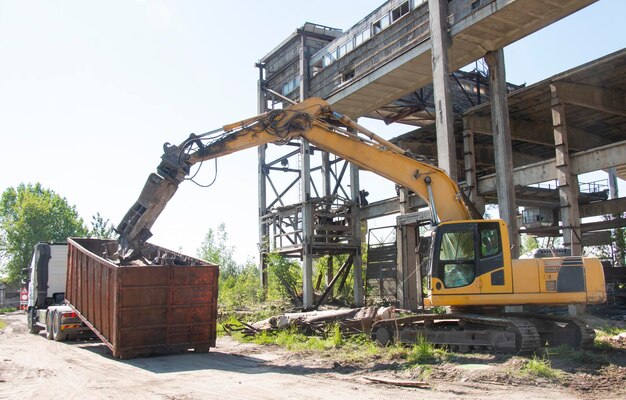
(400, 64)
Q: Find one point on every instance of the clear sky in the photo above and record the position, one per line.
(90, 91)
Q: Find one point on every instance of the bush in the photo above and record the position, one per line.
(540, 367)
(284, 278)
(424, 352)
(241, 288)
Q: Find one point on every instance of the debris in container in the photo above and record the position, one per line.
(149, 255)
(351, 320)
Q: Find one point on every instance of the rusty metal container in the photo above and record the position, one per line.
(143, 310)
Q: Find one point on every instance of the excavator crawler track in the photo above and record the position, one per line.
(556, 330)
(462, 332)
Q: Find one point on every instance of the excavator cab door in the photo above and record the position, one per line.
(469, 258)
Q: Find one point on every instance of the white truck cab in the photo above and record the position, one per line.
(46, 294)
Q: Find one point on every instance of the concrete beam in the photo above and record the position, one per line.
(602, 225)
(599, 238)
(389, 206)
(537, 132)
(585, 161)
(610, 101)
(483, 154)
(607, 207)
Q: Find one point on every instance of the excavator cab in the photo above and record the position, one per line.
(469, 258)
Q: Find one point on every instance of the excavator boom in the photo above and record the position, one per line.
(312, 120)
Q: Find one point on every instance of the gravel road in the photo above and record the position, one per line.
(31, 366)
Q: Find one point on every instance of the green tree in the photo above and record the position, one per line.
(529, 243)
(101, 228)
(243, 289)
(239, 285)
(284, 278)
(215, 248)
(30, 214)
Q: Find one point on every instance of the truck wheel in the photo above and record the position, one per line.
(32, 324)
(49, 315)
(58, 334)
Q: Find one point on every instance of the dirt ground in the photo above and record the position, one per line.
(32, 366)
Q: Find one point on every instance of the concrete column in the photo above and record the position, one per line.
(502, 146)
(305, 70)
(440, 43)
(402, 291)
(262, 186)
(613, 187)
(470, 168)
(568, 182)
(409, 279)
(307, 226)
(359, 295)
(408, 274)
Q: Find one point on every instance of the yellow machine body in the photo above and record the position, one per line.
(468, 270)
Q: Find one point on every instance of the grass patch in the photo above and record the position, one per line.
(290, 339)
(424, 352)
(7, 310)
(358, 349)
(577, 355)
(351, 349)
(603, 345)
(608, 331)
(603, 335)
(539, 367)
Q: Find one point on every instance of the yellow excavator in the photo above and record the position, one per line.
(471, 269)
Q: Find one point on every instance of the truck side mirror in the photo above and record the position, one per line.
(25, 276)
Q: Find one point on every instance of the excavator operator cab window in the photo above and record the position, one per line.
(457, 257)
(463, 251)
(489, 241)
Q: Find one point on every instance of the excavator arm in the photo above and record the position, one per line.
(312, 120)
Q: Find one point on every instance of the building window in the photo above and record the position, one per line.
(329, 59)
(381, 24)
(417, 3)
(291, 86)
(346, 76)
(341, 50)
(345, 49)
(361, 37)
(399, 11)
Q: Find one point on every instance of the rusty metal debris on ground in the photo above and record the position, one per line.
(413, 384)
(352, 320)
